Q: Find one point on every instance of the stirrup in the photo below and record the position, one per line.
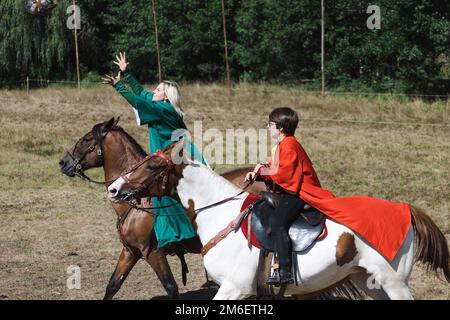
(274, 280)
(286, 278)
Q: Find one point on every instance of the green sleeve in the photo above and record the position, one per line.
(137, 88)
(145, 112)
(129, 96)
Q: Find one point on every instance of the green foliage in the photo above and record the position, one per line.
(277, 40)
(268, 40)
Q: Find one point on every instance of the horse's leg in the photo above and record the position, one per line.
(158, 261)
(127, 260)
(394, 281)
(365, 283)
(228, 291)
(397, 290)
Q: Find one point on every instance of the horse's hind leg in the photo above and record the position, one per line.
(127, 261)
(398, 290)
(364, 282)
(229, 291)
(158, 261)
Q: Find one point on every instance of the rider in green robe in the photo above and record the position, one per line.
(171, 224)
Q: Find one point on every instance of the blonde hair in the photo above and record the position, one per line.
(172, 92)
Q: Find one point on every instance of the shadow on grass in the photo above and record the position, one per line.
(206, 292)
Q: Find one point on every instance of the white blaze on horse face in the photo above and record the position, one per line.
(118, 188)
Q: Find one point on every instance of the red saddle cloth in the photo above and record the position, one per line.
(244, 226)
(251, 198)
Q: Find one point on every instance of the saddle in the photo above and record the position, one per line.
(303, 232)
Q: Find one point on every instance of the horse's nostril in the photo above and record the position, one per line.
(113, 191)
(62, 163)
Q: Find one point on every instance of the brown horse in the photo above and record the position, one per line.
(108, 145)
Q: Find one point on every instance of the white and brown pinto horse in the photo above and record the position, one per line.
(343, 254)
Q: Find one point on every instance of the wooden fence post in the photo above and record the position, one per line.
(76, 48)
(322, 45)
(155, 26)
(226, 47)
(28, 86)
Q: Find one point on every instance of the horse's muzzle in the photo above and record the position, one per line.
(67, 165)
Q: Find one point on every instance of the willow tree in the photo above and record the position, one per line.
(43, 47)
(38, 47)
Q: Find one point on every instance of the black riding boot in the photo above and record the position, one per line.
(286, 212)
(285, 257)
(284, 274)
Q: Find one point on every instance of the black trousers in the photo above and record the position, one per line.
(285, 214)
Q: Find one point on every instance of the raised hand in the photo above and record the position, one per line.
(250, 177)
(107, 79)
(122, 61)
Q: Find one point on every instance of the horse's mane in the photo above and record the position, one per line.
(136, 146)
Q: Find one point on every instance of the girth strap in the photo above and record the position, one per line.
(233, 225)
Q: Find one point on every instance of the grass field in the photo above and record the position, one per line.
(385, 147)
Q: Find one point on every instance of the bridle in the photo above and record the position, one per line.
(78, 168)
(131, 196)
(98, 140)
(164, 175)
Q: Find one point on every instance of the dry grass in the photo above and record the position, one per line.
(50, 222)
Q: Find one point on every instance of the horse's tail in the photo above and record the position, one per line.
(430, 246)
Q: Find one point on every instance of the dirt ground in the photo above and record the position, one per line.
(389, 149)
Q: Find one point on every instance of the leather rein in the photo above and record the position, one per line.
(164, 174)
(130, 197)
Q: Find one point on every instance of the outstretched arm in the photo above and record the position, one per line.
(144, 113)
(137, 88)
(117, 83)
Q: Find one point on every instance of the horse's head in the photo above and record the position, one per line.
(156, 175)
(87, 152)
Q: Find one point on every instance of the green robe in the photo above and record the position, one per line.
(171, 224)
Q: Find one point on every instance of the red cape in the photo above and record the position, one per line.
(384, 224)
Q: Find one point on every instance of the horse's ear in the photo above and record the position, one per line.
(109, 125)
(116, 122)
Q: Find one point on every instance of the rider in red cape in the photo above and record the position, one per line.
(384, 224)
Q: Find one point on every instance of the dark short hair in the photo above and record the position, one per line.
(285, 118)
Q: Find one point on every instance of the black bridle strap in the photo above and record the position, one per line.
(80, 173)
(98, 138)
(83, 176)
(132, 202)
(196, 211)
